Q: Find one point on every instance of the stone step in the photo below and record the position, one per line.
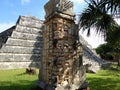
(24, 29)
(21, 50)
(19, 57)
(26, 36)
(30, 22)
(21, 42)
(15, 65)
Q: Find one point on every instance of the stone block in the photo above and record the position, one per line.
(14, 65)
(24, 29)
(30, 22)
(21, 50)
(26, 36)
(20, 42)
(19, 57)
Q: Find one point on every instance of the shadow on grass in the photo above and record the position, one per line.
(21, 85)
(104, 84)
(21, 74)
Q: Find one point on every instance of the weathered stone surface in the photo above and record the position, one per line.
(63, 8)
(30, 30)
(13, 65)
(5, 35)
(62, 65)
(21, 50)
(22, 39)
(26, 36)
(29, 21)
(19, 57)
(22, 43)
(90, 57)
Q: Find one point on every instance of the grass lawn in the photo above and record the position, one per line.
(104, 80)
(18, 80)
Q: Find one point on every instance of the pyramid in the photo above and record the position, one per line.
(21, 45)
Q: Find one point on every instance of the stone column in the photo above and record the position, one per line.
(62, 53)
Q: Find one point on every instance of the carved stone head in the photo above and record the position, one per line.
(59, 6)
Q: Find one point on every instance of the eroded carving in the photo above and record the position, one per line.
(59, 6)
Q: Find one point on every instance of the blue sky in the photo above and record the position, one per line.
(10, 10)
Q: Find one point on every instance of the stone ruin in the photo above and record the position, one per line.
(52, 45)
(61, 67)
(21, 45)
(91, 60)
(8, 46)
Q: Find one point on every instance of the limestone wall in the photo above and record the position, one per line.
(23, 45)
(90, 57)
(5, 35)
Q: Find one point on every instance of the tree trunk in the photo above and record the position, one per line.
(119, 62)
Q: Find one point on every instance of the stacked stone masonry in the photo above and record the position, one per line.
(23, 45)
(90, 57)
(62, 67)
(58, 52)
(17, 46)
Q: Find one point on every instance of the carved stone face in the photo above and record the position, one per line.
(60, 6)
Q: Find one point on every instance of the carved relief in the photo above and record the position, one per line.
(60, 58)
(60, 6)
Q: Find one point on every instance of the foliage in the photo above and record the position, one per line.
(104, 80)
(16, 80)
(109, 52)
(99, 15)
(113, 36)
(95, 17)
(103, 50)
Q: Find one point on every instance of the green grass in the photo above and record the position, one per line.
(17, 80)
(104, 80)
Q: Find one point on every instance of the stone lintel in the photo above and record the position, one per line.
(61, 15)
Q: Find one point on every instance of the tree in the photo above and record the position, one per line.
(103, 50)
(96, 16)
(113, 36)
(99, 15)
(106, 51)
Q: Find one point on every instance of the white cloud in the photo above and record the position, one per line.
(5, 26)
(117, 20)
(25, 1)
(78, 1)
(94, 40)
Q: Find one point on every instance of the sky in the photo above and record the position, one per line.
(10, 10)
